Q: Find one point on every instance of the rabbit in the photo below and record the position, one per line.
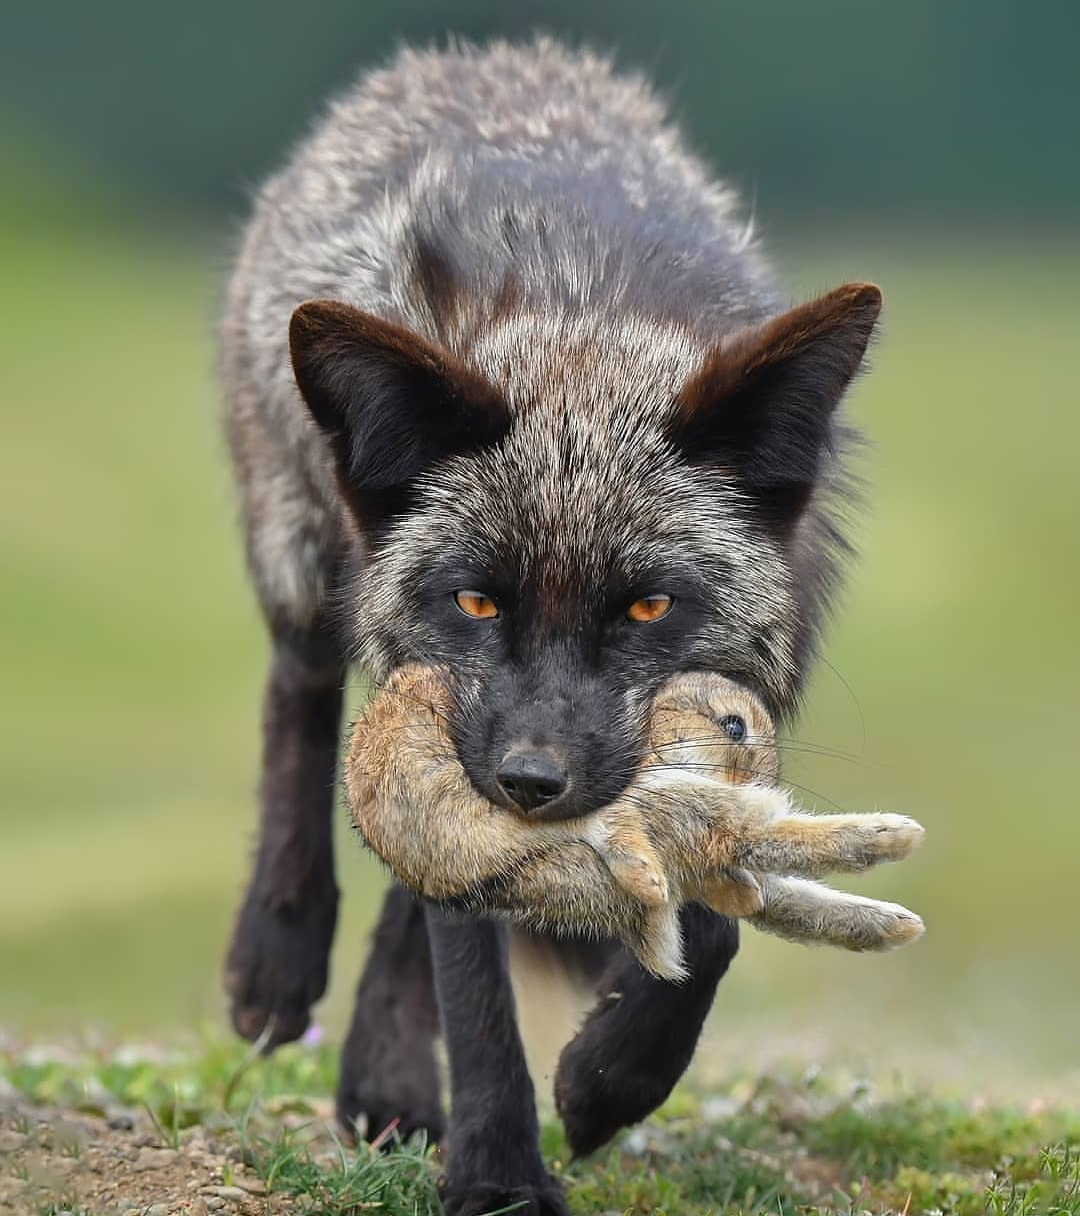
(702, 820)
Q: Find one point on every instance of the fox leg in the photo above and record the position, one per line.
(805, 911)
(638, 1040)
(388, 1066)
(494, 1161)
(772, 838)
(277, 962)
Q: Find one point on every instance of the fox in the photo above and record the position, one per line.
(702, 820)
(511, 388)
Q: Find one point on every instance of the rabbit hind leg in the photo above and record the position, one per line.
(806, 911)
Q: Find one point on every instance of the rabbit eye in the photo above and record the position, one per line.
(734, 727)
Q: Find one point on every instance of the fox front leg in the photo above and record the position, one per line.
(774, 838)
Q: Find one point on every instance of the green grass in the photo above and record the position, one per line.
(132, 658)
(779, 1144)
(398, 1181)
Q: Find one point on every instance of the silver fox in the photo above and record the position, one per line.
(510, 389)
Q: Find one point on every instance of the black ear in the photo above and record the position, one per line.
(391, 403)
(763, 403)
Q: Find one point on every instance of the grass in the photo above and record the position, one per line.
(777, 1144)
(400, 1179)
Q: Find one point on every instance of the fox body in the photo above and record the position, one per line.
(700, 821)
(502, 364)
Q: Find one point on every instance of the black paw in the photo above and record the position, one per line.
(597, 1094)
(370, 1110)
(639, 1039)
(277, 964)
(479, 1198)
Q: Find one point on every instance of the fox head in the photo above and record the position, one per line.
(567, 511)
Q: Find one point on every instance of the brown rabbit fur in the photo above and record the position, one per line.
(703, 820)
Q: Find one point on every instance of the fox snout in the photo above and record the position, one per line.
(534, 779)
(554, 744)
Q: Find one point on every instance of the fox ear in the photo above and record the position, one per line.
(391, 403)
(763, 403)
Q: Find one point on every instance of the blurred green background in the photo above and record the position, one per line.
(929, 146)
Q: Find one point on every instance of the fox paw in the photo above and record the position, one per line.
(481, 1198)
(277, 965)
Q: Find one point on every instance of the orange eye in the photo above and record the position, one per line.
(649, 608)
(476, 604)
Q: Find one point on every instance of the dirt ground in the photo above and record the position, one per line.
(117, 1163)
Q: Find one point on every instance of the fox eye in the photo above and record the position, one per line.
(476, 604)
(734, 727)
(649, 608)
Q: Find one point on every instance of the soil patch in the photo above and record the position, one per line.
(118, 1163)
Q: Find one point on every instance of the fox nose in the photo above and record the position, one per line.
(532, 779)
